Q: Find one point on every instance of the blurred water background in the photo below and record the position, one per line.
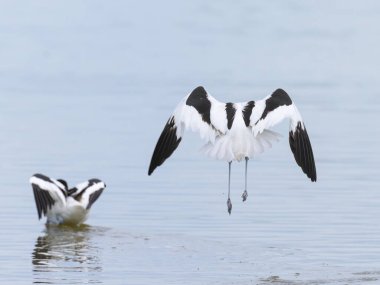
(85, 90)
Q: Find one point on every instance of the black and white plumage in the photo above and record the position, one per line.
(62, 205)
(235, 131)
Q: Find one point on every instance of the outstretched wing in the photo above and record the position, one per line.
(199, 112)
(88, 192)
(47, 192)
(274, 109)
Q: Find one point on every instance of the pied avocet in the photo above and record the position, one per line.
(235, 131)
(62, 205)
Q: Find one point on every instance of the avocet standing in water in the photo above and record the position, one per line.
(235, 131)
(62, 205)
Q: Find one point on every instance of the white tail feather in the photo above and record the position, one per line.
(222, 148)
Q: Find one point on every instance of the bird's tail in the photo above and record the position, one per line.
(223, 147)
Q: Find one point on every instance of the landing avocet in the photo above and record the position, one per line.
(235, 131)
(62, 205)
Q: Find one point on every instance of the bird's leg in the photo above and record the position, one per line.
(245, 193)
(229, 204)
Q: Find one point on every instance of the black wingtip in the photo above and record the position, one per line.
(166, 145)
(93, 197)
(303, 153)
(43, 200)
(37, 201)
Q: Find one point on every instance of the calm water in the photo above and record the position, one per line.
(85, 90)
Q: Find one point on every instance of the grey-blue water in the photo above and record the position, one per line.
(85, 90)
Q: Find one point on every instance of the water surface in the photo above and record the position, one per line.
(85, 90)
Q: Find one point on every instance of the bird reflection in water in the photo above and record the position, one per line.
(67, 255)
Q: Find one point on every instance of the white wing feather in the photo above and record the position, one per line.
(188, 118)
(87, 189)
(274, 117)
(54, 188)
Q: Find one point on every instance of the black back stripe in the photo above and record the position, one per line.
(64, 183)
(247, 112)
(230, 111)
(198, 99)
(277, 99)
